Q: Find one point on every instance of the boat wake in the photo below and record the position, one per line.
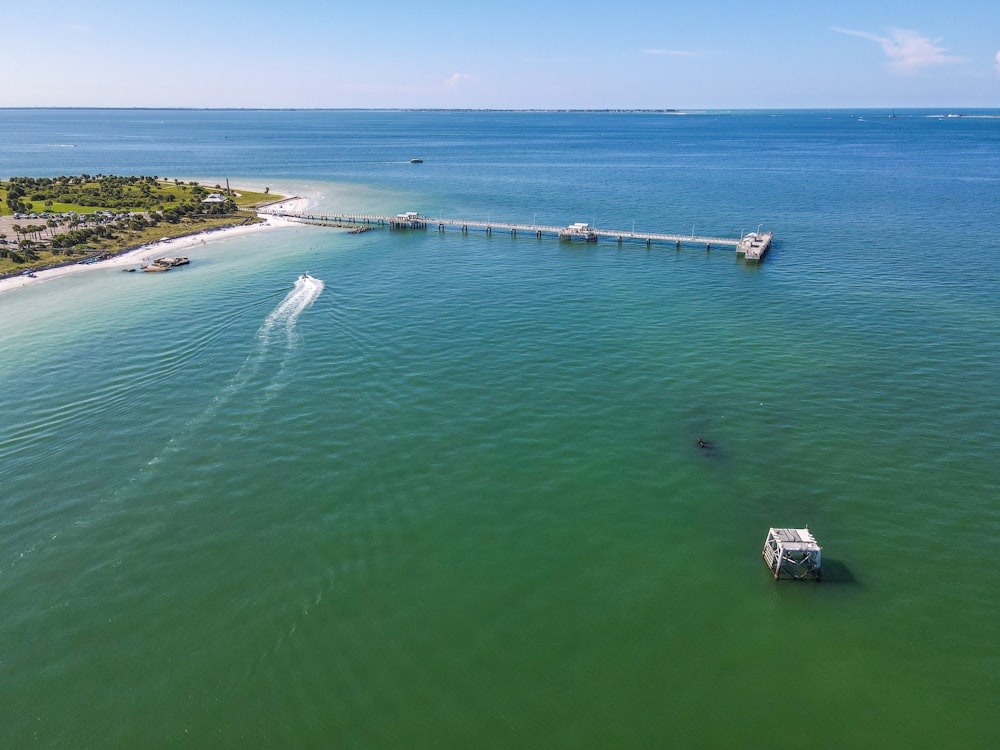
(259, 374)
(242, 399)
(286, 314)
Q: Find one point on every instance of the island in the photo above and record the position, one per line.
(47, 222)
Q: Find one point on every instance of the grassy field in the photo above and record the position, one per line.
(147, 194)
(160, 209)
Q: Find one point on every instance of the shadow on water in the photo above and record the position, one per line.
(836, 571)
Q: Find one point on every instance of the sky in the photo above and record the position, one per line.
(660, 54)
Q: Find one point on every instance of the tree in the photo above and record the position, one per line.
(28, 250)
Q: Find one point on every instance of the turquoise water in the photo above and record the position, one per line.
(448, 494)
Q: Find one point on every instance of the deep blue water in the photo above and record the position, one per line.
(450, 494)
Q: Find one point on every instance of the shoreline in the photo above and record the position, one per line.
(162, 247)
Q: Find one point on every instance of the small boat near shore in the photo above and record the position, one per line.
(416, 161)
(165, 264)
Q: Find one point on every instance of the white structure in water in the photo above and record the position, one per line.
(753, 246)
(578, 231)
(793, 553)
(408, 220)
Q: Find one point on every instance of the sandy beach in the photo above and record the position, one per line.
(158, 249)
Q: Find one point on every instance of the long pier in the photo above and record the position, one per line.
(752, 246)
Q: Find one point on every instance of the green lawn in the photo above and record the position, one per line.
(95, 195)
(179, 203)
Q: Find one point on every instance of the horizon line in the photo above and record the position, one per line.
(655, 110)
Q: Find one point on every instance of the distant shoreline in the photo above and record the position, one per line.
(958, 111)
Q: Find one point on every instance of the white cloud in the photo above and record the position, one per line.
(907, 50)
(998, 62)
(457, 79)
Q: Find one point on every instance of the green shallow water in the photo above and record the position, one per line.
(456, 501)
(448, 495)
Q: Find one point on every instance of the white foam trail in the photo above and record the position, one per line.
(281, 319)
(280, 325)
(285, 315)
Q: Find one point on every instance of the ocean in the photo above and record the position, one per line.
(447, 492)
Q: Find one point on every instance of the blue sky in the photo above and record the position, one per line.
(444, 53)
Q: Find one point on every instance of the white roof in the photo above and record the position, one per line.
(794, 538)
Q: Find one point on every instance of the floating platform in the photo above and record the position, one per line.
(793, 553)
